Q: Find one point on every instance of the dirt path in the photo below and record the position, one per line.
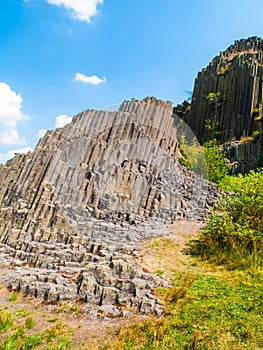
(166, 255)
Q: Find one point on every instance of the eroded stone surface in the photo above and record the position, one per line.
(73, 212)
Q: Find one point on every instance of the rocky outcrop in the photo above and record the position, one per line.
(244, 155)
(227, 101)
(74, 211)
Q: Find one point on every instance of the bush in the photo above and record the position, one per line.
(216, 162)
(193, 156)
(208, 161)
(234, 234)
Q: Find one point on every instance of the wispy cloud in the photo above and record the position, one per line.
(62, 120)
(82, 10)
(93, 80)
(10, 115)
(11, 137)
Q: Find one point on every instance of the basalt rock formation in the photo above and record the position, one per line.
(227, 100)
(74, 211)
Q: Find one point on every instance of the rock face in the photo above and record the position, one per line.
(75, 210)
(227, 99)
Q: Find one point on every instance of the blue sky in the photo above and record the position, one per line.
(59, 57)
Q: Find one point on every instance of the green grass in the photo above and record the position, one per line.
(23, 312)
(203, 312)
(6, 320)
(13, 297)
(15, 335)
(159, 272)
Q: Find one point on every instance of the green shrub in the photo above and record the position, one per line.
(216, 162)
(193, 156)
(234, 234)
(208, 161)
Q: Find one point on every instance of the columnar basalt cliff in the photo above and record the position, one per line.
(227, 99)
(74, 211)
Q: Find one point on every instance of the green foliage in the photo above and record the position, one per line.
(216, 162)
(255, 135)
(13, 297)
(255, 112)
(212, 127)
(222, 71)
(57, 331)
(6, 320)
(159, 272)
(23, 312)
(179, 289)
(63, 343)
(29, 323)
(234, 234)
(18, 340)
(208, 161)
(193, 156)
(205, 312)
(215, 99)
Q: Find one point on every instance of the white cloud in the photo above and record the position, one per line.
(41, 133)
(11, 137)
(10, 154)
(62, 120)
(10, 115)
(82, 10)
(93, 80)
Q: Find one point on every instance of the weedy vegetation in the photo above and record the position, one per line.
(202, 312)
(17, 335)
